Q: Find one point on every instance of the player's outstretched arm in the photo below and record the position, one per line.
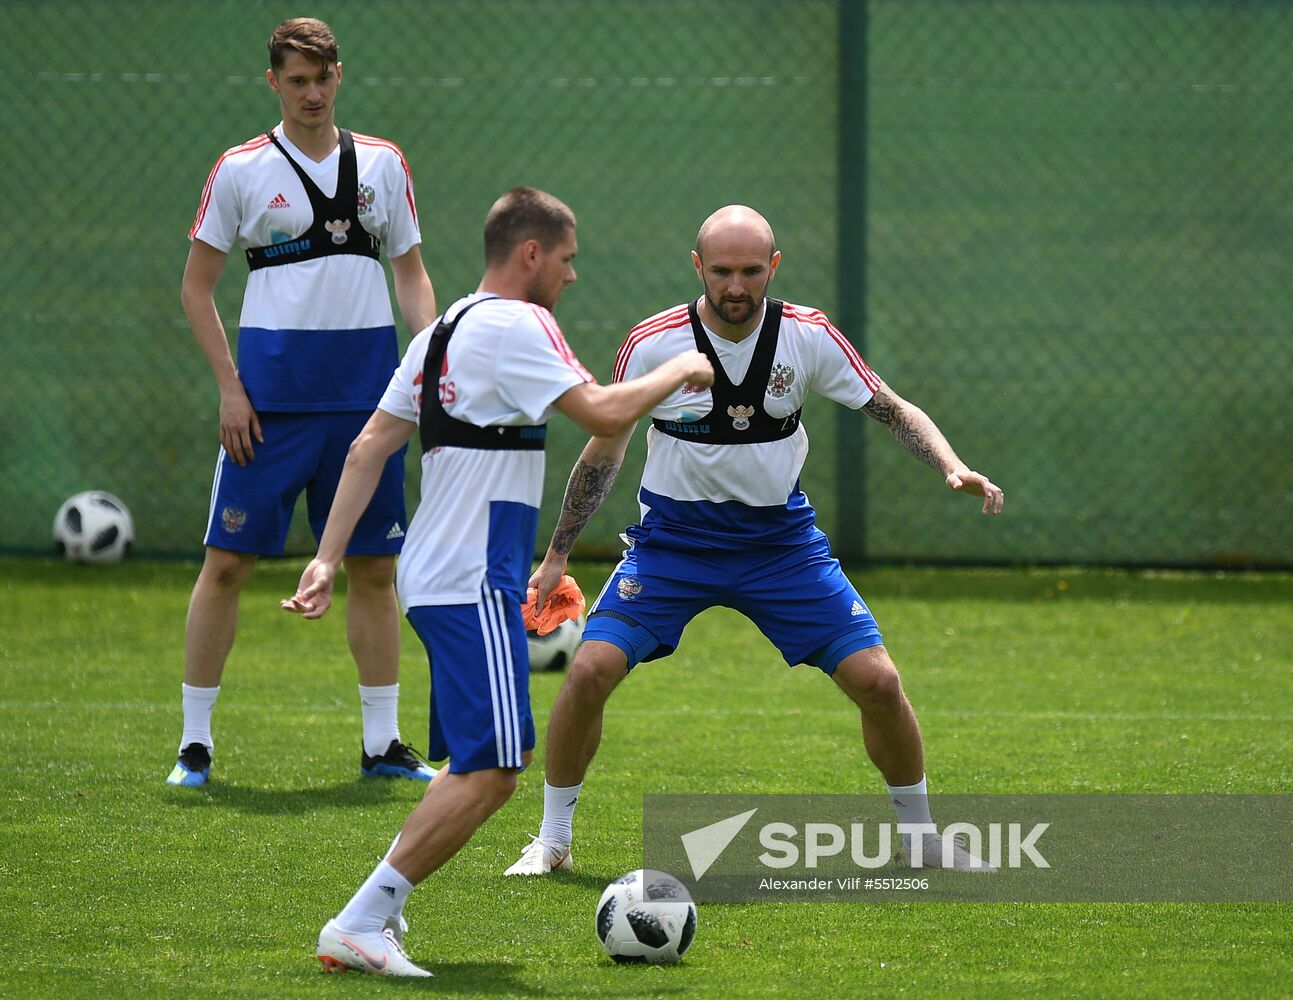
(914, 430)
(610, 413)
(238, 421)
(607, 410)
(381, 437)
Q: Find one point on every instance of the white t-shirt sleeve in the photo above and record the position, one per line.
(841, 374)
(536, 365)
(402, 233)
(403, 395)
(220, 210)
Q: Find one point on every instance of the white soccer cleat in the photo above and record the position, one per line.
(932, 851)
(540, 857)
(374, 952)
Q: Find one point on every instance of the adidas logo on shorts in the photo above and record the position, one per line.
(857, 609)
(395, 532)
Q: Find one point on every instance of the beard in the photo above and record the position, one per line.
(734, 312)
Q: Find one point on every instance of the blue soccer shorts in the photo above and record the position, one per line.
(251, 505)
(797, 595)
(480, 682)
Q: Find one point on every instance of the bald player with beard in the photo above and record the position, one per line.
(724, 522)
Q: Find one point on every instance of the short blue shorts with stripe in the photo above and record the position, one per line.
(480, 682)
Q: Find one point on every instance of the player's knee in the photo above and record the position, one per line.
(227, 570)
(886, 685)
(597, 668)
(370, 572)
(870, 677)
(495, 786)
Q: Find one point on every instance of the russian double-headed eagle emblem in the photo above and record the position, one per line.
(740, 417)
(783, 377)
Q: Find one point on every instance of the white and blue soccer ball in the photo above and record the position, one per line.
(646, 916)
(555, 650)
(93, 527)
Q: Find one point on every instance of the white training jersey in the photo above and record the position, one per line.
(733, 495)
(314, 335)
(506, 364)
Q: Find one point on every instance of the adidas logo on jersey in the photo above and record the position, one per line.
(279, 202)
(857, 609)
(395, 532)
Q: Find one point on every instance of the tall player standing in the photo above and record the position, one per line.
(311, 205)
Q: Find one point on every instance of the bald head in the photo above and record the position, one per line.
(735, 258)
(736, 229)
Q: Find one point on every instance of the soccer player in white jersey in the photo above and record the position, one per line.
(478, 389)
(310, 206)
(725, 523)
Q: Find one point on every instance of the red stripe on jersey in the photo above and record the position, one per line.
(659, 318)
(559, 341)
(671, 320)
(816, 317)
(246, 147)
(369, 140)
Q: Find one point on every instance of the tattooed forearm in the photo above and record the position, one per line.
(589, 485)
(912, 428)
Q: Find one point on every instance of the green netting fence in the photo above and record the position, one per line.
(1062, 228)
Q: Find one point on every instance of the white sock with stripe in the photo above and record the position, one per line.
(381, 896)
(559, 814)
(911, 803)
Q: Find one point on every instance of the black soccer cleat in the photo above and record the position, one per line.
(399, 761)
(193, 768)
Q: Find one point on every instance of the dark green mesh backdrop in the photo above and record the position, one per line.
(1061, 228)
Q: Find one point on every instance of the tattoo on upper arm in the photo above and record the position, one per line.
(590, 483)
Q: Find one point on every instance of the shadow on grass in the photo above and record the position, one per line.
(469, 978)
(486, 978)
(270, 801)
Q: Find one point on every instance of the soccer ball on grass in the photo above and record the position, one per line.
(555, 650)
(93, 527)
(646, 916)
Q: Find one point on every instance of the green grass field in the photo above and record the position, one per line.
(1025, 681)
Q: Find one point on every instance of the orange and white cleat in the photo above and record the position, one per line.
(377, 953)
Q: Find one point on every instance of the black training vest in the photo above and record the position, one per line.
(737, 416)
(437, 429)
(336, 227)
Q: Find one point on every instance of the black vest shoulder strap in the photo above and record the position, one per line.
(336, 228)
(437, 429)
(738, 416)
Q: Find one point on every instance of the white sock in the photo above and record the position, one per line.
(381, 896)
(558, 812)
(198, 704)
(911, 803)
(380, 707)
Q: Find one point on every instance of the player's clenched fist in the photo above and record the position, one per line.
(695, 368)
